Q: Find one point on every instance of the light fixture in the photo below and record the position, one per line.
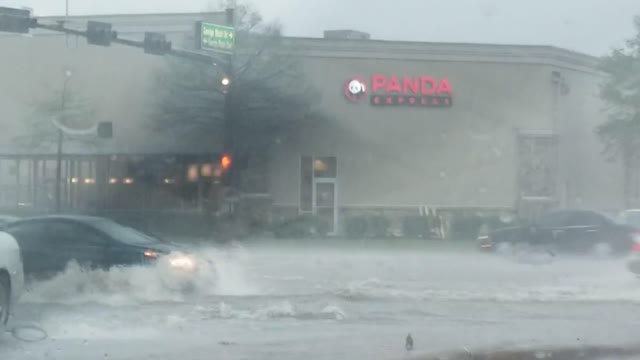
(89, 181)
(206, 170)
(74, 180)
(192, 173)
(320, 165)
(128, 181)
(169, 181)
(113, 181)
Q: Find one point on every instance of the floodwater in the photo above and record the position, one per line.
(327, 302)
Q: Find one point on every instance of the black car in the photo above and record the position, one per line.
(49, 243)
(5, 219)
(571, 231)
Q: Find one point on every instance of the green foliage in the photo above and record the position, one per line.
(367, 226)
(379, 226)
(621, 91)
(355, 227)
(416, 226)
(469, 226)
(302, 227)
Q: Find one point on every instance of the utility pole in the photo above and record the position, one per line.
(67, 76)
(66, 19)
(226, 81)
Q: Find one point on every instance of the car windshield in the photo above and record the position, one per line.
(123, 234)
(319, 179)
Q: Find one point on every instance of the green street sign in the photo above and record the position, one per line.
(217, 37)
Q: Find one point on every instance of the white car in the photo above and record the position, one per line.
(11, 275)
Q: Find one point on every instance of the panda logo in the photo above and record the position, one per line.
(355, 89)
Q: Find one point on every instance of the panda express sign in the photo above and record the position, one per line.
(382, 90)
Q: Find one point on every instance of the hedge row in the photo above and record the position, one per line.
(462, 227)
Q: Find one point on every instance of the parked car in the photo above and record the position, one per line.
(571, 231)
(48, 244)
(631, 217)
(11, 276)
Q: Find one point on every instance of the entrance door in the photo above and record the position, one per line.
(324, 202)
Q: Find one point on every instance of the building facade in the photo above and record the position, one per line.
(504, 128)
(408, 127)
(136, 169)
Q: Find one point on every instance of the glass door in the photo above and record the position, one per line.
(325, 201)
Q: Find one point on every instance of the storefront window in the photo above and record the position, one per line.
(325, 167)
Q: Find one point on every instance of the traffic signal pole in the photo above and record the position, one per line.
(179, 53)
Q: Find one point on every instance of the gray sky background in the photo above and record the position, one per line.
(590, 26)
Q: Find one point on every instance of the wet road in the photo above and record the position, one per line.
(263, 302)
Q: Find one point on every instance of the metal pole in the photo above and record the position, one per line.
(59, 171)
(66, 19)
(229, 140)
(59, 152)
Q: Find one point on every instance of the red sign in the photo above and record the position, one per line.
(424, 91)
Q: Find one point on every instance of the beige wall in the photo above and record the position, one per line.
(458, 157)
(119, 83)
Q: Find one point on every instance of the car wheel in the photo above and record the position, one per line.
(602, 250)
(5, 299)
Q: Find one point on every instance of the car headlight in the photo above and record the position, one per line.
(182, 262)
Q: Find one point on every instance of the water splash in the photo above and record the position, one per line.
(220, 273)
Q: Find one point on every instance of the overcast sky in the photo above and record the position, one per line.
(591, 26)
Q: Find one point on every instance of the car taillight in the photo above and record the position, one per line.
(635, 236)
(485, 242)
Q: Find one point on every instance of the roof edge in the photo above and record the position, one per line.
(85, 16)
(445, 43)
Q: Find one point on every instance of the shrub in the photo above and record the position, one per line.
(378, 226)
(303, 226)
(416, 226)
(356, 227)
(467, 226)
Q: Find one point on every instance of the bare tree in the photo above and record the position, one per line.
(268, 100)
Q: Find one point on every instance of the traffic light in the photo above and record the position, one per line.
(226, 162)
(156, 43)
(225, 83)
(16, 20)
(100, 33)
(105, 130)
